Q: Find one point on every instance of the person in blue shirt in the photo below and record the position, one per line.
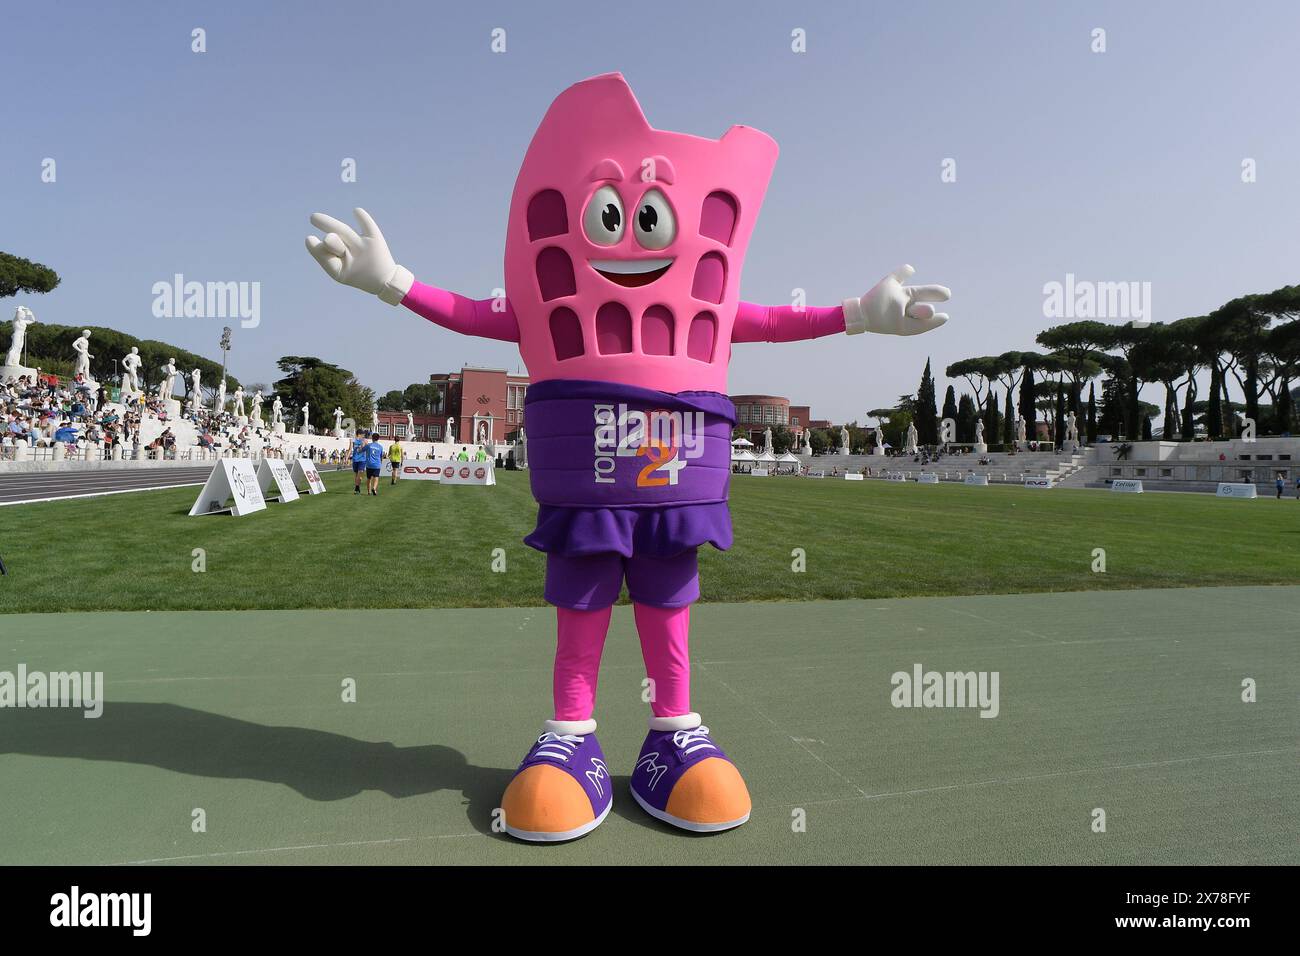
(374, 463)
(358, 459)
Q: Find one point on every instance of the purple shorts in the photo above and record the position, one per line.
(593, 582)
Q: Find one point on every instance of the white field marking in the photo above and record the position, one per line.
(332, 676)
(1002, 781)
(290, 849)
(99, 494)
(1005, 627)
(1252, 607)
(797, 741)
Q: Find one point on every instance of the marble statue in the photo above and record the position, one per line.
(220, 406)
(482, 433)
(131, 372)
(1071, 428)
(23, 317)
(196, 394)
(912, 437)
(1020, 428)
(979, 431)
(451, 430)
(306, 419)
(81, 364)
(338, 420)
(256, 416)
(521, 449)
(844, 440)
(879, 437)
(807, 442)
(277, 411)
(168, 383)
(410, 426)
(239, 401)
(767, 440)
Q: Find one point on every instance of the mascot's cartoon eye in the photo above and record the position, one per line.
(603, 220)
(656, 226)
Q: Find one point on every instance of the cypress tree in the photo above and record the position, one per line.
(1058, 434)
(950, 406)
(965, 420)
(1028, 396)
(1009, 422)
(927, 417)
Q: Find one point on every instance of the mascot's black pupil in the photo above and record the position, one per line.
(647, 218)
(610, 218)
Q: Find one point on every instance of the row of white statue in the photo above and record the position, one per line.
(132, 386)
(911, 445)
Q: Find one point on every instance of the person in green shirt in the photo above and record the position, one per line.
(395, 461)
(464, 455)
(480, 455)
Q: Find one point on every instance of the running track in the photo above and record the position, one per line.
(21, 487)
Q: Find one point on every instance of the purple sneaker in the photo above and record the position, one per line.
(682, 777)
(561, 791)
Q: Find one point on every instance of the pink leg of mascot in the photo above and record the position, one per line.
(622, 273)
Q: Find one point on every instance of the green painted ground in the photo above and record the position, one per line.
(421, 545)
(1124, 701)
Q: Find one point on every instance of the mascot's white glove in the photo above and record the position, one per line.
(892, 308)
(361, 261)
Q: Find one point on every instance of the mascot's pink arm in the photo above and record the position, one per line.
(754, 323)
(785, 323)
(468, 316)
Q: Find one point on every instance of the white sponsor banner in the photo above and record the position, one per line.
(1131, 485)
(896, 477)
(232, 487)
(1037, 482)
(976, 479)
(853, 477)
(927, 478)
(466, 472)
(420, 470)
(758, 472)
(273, 471)
(304, 472)
(1236, 489)
(816, 474)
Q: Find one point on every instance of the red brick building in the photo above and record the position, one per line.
(481, 401)
(757, 413)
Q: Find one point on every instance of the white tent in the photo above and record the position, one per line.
(789, 458)
(766, 457)
(743, 456)
(742, 443)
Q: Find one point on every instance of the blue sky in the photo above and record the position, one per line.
(1115, 166)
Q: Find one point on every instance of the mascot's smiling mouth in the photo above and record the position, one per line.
(631, 272)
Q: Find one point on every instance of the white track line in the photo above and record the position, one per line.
(100, 494)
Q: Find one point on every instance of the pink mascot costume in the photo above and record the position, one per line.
(623, 257)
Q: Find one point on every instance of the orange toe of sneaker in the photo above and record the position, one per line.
(545, 804)
(710, 796)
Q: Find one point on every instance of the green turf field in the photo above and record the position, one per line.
(1128, 701)
(421, 545)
